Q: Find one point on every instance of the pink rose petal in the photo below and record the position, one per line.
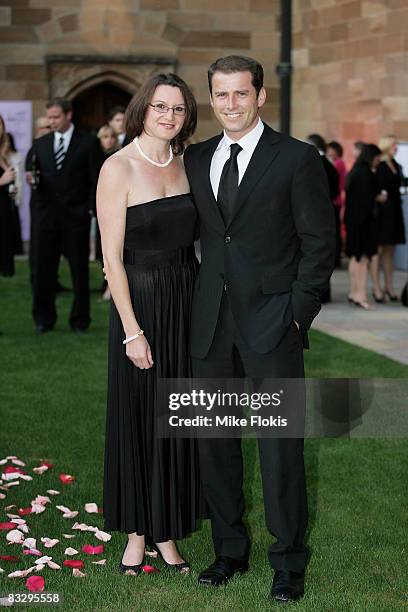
(66, 478)
(70, 551)
(43, 560)
(3, 496)
(15, 537)
(91, 508)
(35, 584)
(18, 462)
(73, 563)
(77, 573)
(149, 569)
(30, 543)
(21, 573)
(41, 499)
(40, 470)
(32, 551)
(37, 508)
(93, 550)
(53, 565)
(48, 542)
(100, 562)
(103, 536)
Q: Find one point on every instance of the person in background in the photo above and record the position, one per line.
(333, 179)
(362, 200)
(358, 146)
(7, 181)
(109, 143)
(16, 161)
(42, 126)
(335, 155)
(65, 195)
(391, 230)
(115, 120)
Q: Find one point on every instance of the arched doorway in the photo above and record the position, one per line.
(92, 106)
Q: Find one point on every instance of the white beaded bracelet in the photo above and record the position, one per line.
(139, 333)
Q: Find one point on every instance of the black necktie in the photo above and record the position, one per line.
(227, 190)
(60, 153)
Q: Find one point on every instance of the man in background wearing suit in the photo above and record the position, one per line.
(66, 162)
(267, 245)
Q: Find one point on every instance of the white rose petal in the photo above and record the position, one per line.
(70, 551)
(53, 492)
(48, 542)
(30, 543)
(43, 560)
(77, 573)
(103, 536)
(91, 508)
(15, 536)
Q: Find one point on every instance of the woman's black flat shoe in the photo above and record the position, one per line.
(380, 300)
(391, 297)
(180, 568)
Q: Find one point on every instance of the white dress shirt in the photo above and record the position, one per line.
(66, 136)
(223, 152)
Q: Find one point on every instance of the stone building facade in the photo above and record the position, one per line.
(350, 78)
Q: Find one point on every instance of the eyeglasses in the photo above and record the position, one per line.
(159, 107)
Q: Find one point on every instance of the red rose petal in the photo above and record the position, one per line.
(92, 550)
(9, 558)
(66, 478)
(24, 511)
(35, 584)
(12, 469)
(47, 463)
(149, 569)
(73, 563)
(6, 526)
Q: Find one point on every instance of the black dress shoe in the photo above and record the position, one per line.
(221, 571)
(43, 329)
(287, 586)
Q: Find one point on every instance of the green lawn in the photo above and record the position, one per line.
(52, 400)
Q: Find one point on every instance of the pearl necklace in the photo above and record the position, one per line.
(151, 161)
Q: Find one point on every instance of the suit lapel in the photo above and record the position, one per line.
(205, 163)
(265, 153)
(73, 145)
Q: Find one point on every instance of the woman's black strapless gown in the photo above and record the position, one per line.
(152, 485)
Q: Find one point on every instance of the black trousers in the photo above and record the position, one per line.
(281, 460)
(48, 245)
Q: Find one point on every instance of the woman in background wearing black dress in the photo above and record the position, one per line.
(362, 201)
(390, 220)
(147, 220)
(7, 179)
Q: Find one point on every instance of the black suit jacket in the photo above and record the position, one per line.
(277, 253)
(64, 198)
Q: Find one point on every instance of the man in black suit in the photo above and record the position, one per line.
(66, 163)
(267, 244)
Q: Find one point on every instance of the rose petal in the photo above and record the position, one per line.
(6, 526)
(77, 573)
(149, 569)
(35, 584)
(20, 573)
(73, 563)
(40, 470)
(41, 499)
(10, 476)
(23, 528)
(3, 496)
(15, 537)
(102, 535)
(43, 560)
(18, 462)
(48, 542)
(47, 464)
(93, 550)
(66, 478)
(100, 562)
(30, 543)
(25, 477)
(24, 511)
(18, 521)
(12, 558)
(91, 508)
(53, 565)
(37, 508)
(15, 483)
(53, 492)
(70, 551)
(68, 536)
(10, 469)
(32, 551)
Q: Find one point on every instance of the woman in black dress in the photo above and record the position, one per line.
(390, 219)
(362, 201)
(7, 179)
(147, 220)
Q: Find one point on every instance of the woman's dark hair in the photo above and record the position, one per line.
(368, 153)
(136, 110)
(336, 146)
(238, 63)
(12, 143)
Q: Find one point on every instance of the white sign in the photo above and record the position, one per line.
(18, 118)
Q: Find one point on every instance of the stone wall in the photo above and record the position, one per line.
(350, 57)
